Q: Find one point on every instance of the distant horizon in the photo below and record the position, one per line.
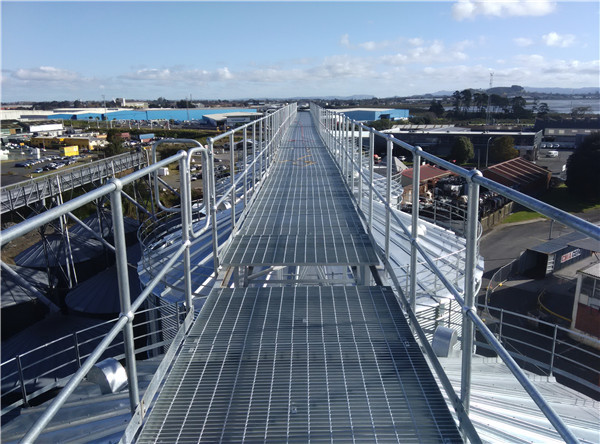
(231, 50)
(573, 91)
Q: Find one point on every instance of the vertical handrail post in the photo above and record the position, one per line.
(553, 350)
(371, 172)
(76, 347)
(212, 202)
(360, 166)
(232, 179)
(414, 233)
(253, 156)
(245, 161)
(353, 152)
(261, 148)
(123, 280)
(344, 147)
(22, 380)
(388, 196)
(469, 285)
(186, 221)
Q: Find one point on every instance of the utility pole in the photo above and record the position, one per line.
(488, 119)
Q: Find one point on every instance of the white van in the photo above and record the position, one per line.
(552, 153)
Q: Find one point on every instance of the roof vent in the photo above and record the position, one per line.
(443, 340)
(109, 374)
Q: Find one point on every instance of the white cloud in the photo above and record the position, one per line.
(345, 40)
(46, 73)
(469, 9)
(148, 74)
(369, 46)
(434, 52)
(336, 67)
(165, 75)
(417, 41)
(523, 41)
(561, 41)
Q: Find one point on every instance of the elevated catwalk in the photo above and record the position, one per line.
(300, 363)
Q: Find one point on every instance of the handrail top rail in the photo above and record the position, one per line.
(475, 175)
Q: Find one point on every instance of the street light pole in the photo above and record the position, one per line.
(487, 151)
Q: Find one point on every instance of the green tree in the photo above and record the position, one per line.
(580, 111)
(437, 108)
(582, 169)
(462, 150)
(456, 101)
(502, 149)
(481, 100)
(543, 109)
(115, 143)
(466, 98)
(381, 124)
(518, 106)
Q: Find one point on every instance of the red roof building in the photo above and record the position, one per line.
(520, 174)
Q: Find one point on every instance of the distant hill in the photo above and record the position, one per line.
(588, 90)
(528, 89)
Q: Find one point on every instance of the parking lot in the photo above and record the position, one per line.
(20, 167)
(554, 164)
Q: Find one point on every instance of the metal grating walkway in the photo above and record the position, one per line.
(300, 364)
(304, 214)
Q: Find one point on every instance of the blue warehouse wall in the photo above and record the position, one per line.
(370, 115)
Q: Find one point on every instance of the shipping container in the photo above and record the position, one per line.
(69, 151)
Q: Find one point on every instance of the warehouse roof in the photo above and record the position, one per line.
(222, 117)
(518, 173)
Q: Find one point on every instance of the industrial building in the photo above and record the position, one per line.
(520, 174)
(84, 143)
(371, 114)
(231, 119)
(586, 305)
(438, 139)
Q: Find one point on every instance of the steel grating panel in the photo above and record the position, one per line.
(303, 215)
(314, 249)
(300, 364)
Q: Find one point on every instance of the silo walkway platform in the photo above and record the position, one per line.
(301, 362)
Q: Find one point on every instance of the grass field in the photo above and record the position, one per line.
(559, 198)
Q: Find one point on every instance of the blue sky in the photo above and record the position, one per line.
(227, 50)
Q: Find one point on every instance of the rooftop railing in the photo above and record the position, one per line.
(269, 130)
(340, 136)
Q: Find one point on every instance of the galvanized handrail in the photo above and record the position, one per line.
(32, 189)
(20, 381)
(271, 130)
(341, 144)
(128, 309)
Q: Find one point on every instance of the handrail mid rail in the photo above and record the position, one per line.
(338, 133)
